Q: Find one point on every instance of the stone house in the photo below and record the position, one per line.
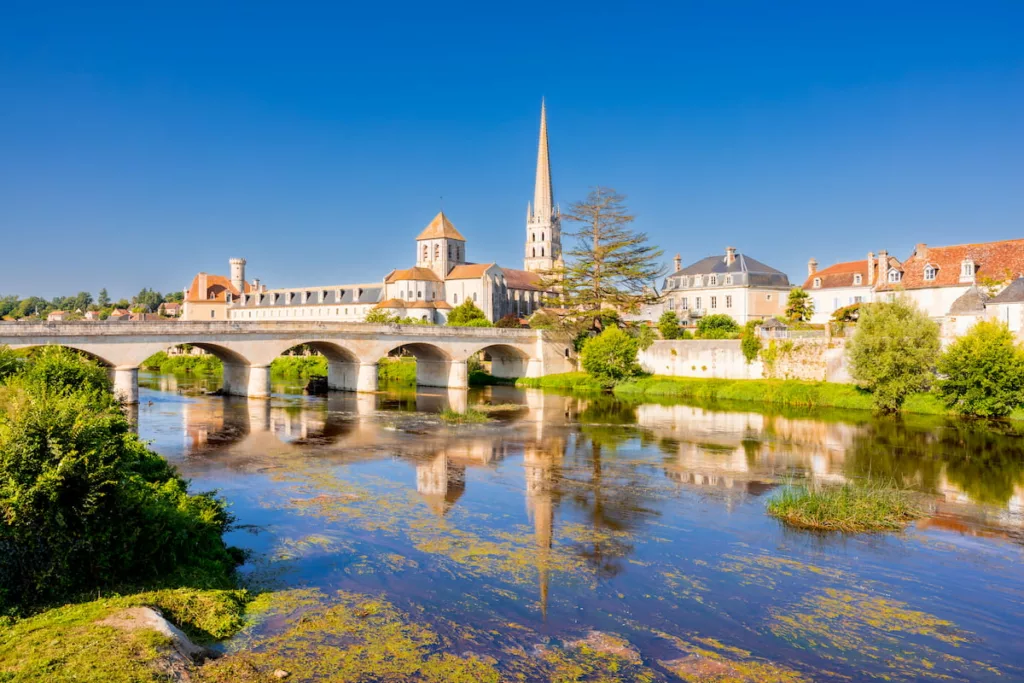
(844, 284)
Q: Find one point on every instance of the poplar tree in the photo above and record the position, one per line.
(610, 266)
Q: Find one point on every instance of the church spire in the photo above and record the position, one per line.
(542, 193)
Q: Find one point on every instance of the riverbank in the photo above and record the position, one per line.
(779, 393)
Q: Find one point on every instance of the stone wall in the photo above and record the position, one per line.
(815, 359)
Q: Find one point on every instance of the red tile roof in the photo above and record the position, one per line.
(217, 287)
(468, 271)
(414, 273)
(997, 261)
(839, 275)
(521, 279)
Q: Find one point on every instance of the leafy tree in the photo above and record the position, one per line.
(508, 321)
(103, 299)
(800, 305)
(31, 306)
(847, 314)
(610, 265)
(122, 303)
(984, 372)
(465, 312)
(893, 352)
(176, 297)
(611, 356)
(543, 321)
(644, 336)
(148, 300)
(750, 342)
(476, 322)
(8, 305)
(668, 325)
(86, 506)
(717, 326)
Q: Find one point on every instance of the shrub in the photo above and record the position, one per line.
(668, 325)
(465, 313)
(611, 356)
(10, 362)
(750, 343)
(543, 321)
(893, 352)
(85, 505)
(476, 322)
(717, 326)
(984, 372)
(644, 336)
(847, 314)
(509, 321)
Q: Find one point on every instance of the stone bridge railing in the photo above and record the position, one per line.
(352, 349)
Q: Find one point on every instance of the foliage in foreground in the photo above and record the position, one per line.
(893, 352)
(611, 356)
(668, 325)
(850, 508)
(799, 305)
(750, 342)
(85, 505)
(984, 372)
(467, 314)
(66, 643)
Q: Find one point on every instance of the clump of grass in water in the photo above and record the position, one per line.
(455, 417)
(851, 508)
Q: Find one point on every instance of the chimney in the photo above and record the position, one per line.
(883, 266)
(812, 266)
(678, 262)
(922, 251)
(871, 268)
(730, 255)
(201, 285)
(256, 284)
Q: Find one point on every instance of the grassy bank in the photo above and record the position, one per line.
(299, 367)
(780, 393)
(183, 364)
(455, 417)
(849, 508)
(397, 370)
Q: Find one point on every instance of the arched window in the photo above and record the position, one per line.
(437, 251)
(542, 237)
(533, 252)
(533, 236)
(426, 252)
(542, 251)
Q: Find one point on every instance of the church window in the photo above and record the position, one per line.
(426, 252)
(533, 236)
(929, 273)
(419, 295)
(542, 251)
(542, 237)
(458, 251)
(533, 252)
(437, 251)
(449, 251)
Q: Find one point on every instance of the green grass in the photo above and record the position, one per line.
(479, 378)
(779, 393)
(66, 643)
(299, 366)
(469, 417)
(206, 364)
(397, 370)
(851, 508)
(572, 381)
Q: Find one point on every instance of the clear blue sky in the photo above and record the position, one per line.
(143, 142)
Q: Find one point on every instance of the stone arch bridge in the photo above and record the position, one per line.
(352, 349)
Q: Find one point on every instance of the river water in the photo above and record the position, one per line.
(565, 515)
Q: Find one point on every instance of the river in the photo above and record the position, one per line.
(565, 515)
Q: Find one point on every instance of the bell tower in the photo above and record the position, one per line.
(543, 220)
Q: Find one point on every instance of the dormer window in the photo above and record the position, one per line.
(894, 276)
(967, 269)
(930, 272)
(713, 280)
(858, 279)
(817, 282)
(696, 280)
(728, 279)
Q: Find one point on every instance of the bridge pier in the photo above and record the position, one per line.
(126, 384)
(367, 380)
(259, 381)
(452, 374)
(534, 368)
(342, 376)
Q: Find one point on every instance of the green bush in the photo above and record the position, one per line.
(984, 372)
(644, 336)
(465, 313)
(10, 362)
(893, 352)
(543, 321)
(476, 322)
(299, 366)
(85, 505)
(510, 321)
(750, 343)
(799, 305)
(397, 370)
(611, 356)
(717, 326)
(668, 325)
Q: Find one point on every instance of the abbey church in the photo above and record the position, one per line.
(443, 276)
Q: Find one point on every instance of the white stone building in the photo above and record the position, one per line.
(844, 284)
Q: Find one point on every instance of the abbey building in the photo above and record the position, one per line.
(441, 278)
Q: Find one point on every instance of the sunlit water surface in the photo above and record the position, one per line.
(648, 521)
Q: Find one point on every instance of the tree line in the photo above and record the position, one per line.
(147, 300)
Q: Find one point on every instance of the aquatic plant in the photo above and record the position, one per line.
(471, 415)
(850, 507)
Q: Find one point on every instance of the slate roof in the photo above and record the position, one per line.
(293, 297)
(419, 303)
(521, 279)
(993, 260)
(757, 273)
(971, 302)
(1014, 293)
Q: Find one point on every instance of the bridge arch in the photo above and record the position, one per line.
(506, 360)
(107, 362)
(343, 365)
(435, 366)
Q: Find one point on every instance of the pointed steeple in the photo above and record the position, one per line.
(542, 192)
